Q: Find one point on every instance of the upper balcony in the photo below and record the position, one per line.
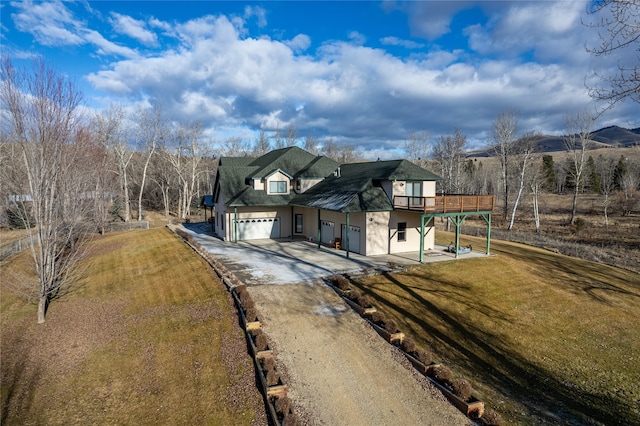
(445, 203)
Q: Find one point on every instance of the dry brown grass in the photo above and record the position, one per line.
(543, 338)
(149, 337)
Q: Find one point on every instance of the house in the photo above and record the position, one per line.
(369, 208)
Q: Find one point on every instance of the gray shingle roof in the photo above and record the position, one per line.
(234, 174)
(357, 189)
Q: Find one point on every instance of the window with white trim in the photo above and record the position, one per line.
(402, 231)
(278, 187)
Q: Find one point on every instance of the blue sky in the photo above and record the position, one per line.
(366, 74)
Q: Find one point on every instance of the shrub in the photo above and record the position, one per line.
(441, 373)
(462, 388)
(491, 418)
(249, 304)
(283, 405)
(273, 377)
(268, 363)
(425, 357)
(290, 420)
(378, 317)
(354, 295)
(240, 289)
(245, 297)
(408, 345)
(364, 301)
(390, 325)
(262, 342)
(339, 281)
(251, 314)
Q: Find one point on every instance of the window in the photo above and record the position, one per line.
(414, 189)
(278, 187)
(298, 224)
(402, 231)
(414, 192)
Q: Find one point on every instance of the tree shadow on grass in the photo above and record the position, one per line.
(593, 279)
(547, 398)
(18, 376)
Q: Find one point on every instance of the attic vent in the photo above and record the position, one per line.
(337, 172)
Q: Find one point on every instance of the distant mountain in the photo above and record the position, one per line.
(607, 137)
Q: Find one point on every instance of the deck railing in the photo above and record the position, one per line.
(445, 203)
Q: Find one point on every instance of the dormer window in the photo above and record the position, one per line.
(278, 187)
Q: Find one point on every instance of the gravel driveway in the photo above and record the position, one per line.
(338, 370)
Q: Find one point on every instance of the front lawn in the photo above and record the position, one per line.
(544, 338)
(149, 336)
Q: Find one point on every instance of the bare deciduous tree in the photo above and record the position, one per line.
(576, 142)
(42, 119)
(618, 26)
(278, 142)
(418, 149)
(449, 153)
(504, 138)
(112, 133)
(262, 145)
(524, 149)
(235, 147)
(150, 133)
(291, 136)
(185, 156)
(311, 144)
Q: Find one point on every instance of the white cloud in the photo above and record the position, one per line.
(299, 43)
(358, 94)
(256, 12)
(395, 41)
(49, 22)
(52, 24)
(133, 28)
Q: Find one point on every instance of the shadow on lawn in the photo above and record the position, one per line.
(18, 379)
(548, 399)
(594, 279)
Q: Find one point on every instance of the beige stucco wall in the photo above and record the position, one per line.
(305, 184)
(382, 233)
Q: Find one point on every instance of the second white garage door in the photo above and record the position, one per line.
(257, 228)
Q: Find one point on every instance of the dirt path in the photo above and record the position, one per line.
(339, 370)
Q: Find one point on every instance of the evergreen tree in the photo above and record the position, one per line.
(548, 173)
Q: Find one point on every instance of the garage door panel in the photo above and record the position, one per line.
(258, 228)
(354, 238)
(327, 231)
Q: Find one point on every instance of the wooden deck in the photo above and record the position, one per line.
(445, 203)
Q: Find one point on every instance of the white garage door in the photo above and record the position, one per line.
(257, 228)
(354, 238)
(327, 231)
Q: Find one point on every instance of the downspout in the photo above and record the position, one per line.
(319, 228)
(293, 225)
(346, 239)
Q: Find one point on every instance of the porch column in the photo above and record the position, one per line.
(235, 224)
(487, 219)
(346, 237)
(421, 236)
(457, 221)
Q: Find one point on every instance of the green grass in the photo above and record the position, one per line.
(544, 338)
(149, 336)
